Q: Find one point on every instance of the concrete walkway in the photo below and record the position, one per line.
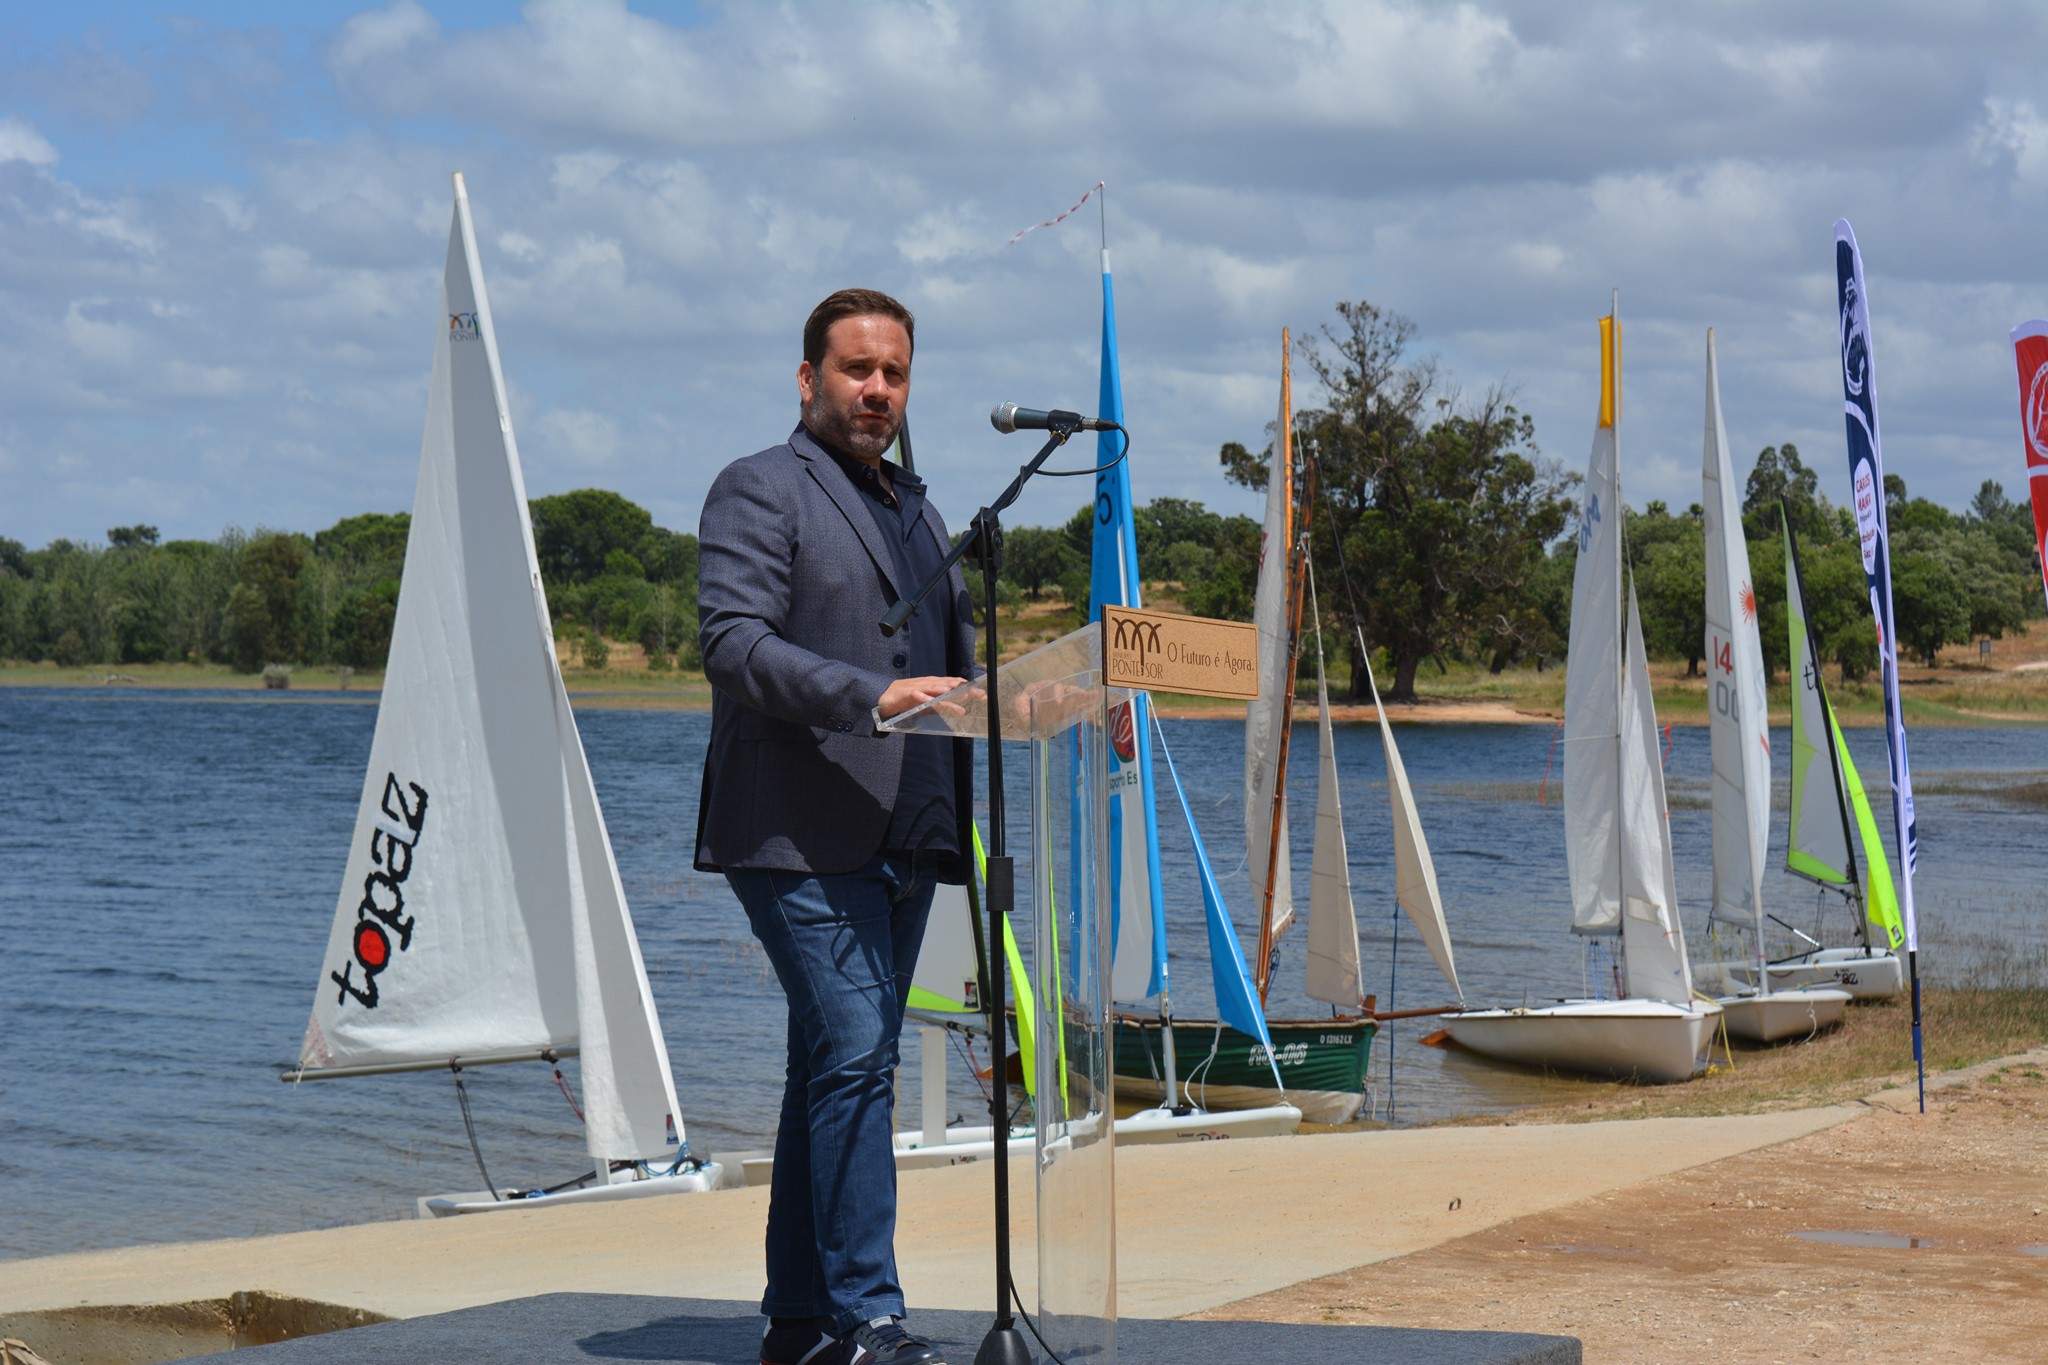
(1199, 1225)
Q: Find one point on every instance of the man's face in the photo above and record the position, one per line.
(853, 399)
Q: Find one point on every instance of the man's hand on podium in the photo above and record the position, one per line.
(905, 693)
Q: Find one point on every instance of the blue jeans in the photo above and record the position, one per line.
(844, 947)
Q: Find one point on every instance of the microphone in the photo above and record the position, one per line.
(1008, 417)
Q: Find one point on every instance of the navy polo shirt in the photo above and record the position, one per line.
(923, 818)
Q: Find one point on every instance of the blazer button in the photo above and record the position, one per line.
(843, 726)
(900, 660)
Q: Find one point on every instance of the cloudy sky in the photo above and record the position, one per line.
(221, 230)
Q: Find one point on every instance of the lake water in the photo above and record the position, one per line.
(169, 863)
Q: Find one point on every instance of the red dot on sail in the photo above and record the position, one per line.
(373, 950)
(1122, 733)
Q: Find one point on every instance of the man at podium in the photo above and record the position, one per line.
(831, 832)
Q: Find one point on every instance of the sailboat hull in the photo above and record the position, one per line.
(1642, 1040)
(1323, 1064)
(711, 1175)
(1784, 1014)
(968, 1143)
(1877, 976)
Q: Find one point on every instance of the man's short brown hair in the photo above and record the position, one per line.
(852, 303)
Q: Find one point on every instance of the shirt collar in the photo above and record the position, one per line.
(867, 478)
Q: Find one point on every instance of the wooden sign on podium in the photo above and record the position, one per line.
(1160, 651)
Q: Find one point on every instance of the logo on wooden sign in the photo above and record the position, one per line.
(1165, 652)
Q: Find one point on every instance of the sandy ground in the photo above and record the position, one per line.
(1651, 1239)
(1197, 1225)
(1709, 1263)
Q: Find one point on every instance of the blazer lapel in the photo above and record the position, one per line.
(847, 498)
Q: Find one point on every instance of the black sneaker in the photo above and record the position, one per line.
(884, 1342)
(803, 1341)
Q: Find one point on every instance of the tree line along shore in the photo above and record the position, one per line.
(1438, 533)
(622, 592)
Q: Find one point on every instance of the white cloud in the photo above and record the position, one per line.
(589, 440)
(19, 141)
(661, 202)
(2014, 132)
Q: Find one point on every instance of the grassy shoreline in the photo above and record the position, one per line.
(1965, 694)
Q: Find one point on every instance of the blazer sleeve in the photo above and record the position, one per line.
(747, 545)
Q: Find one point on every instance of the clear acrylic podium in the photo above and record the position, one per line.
(1053, 699)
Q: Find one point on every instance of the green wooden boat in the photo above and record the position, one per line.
(1322, 1062)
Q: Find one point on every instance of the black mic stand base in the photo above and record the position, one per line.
(1004, 1346)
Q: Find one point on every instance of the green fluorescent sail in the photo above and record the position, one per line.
(1881, 902)
(933, 1002)
(1817, 830)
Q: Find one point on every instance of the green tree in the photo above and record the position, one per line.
(1225, 592)
(575, 533)
(668, 557)
(363, 620)
(1996, 594)
(371, 544)
(1440, 510)
(661, 626)
(1929, 605)
(1035, 558)
(271, 564)
(1165, 522)
(1671, 588)
(131, 537)
(1780, 474)
(248, 629)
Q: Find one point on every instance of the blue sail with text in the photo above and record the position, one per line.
(1138, 927)
(1866, 481)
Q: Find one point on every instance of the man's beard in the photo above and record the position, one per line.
(836, 429)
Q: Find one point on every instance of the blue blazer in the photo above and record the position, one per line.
(792, 578)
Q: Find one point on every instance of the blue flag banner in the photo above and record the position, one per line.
(1237, 1000)
(1138, 903)
(1866, 484)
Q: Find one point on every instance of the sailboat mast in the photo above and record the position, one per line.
(1827, 711)
(1281, 468)
(1296, 596)
(1611, 362)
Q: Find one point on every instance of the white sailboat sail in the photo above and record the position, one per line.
(1617, 829)
(481, 916)
(1333, 973)
(1266, 717)
(1653, 945)
(1414, 871)
(1735, 681)
(1593, 666)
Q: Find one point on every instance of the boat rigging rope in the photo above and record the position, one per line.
(1393, 1002)
(469, 1125)
(1727, 1048)
(563, 1086)
(964, 1042)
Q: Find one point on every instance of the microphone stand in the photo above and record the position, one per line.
(1004, 1344)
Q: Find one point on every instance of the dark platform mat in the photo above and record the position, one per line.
(584, 1328)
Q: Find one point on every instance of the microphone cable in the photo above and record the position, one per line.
(1122, 455)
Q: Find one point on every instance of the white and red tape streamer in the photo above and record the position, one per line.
(1054, 222)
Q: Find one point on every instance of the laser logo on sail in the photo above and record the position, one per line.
(2037, 414)
(1123, 734)
(381, 912)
